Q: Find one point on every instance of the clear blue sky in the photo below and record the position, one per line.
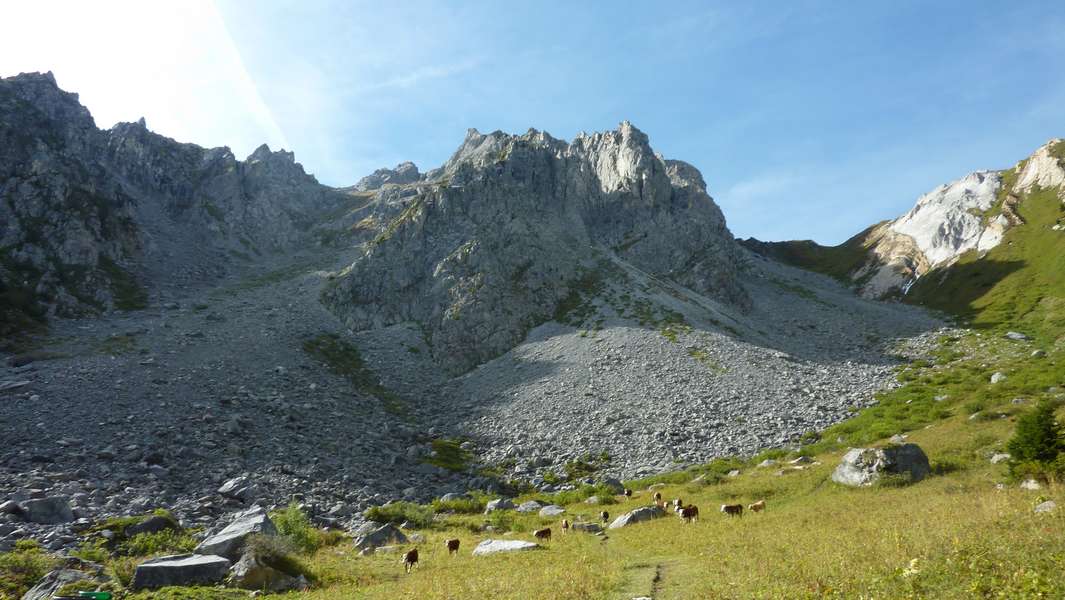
(807, 119)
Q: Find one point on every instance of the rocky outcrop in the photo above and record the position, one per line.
(230, 541)
(1045, 168)
(404, 172)
(512, 230)
(385, 534)
(92, 218)
(639, 515)
(861, 467)
(180, 569)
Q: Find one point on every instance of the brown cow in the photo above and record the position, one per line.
(757, 506)
(689, 514)
(628, 493)
(410, 559)
(543, 534)
(657, 497)
(604, 516)
(732, 510)
(452, 546)
(565, 526)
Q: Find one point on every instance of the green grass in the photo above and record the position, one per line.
(21, 568)
(448, 454)
(399, 512)
(838, 262)
(344, 359)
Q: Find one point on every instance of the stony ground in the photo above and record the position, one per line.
(159, 407)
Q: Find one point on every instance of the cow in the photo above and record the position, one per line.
(677, 504)
(689, 514)
(732, 510)
(565, 526)
(757, 506)
(452, 546)
(628, 493)
(410, 559)
(543, 534)
(657, 497)
(604, 516)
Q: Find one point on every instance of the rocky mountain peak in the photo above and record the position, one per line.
(403, 173)
(1044, 168)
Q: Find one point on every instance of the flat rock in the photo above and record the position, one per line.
(530, 506)
(551, 510)
(494, 546)
(498, 504)
(645, 513)
(999, 457)
(49, 511)
(52, 582)
(181, 569)
(587, 527)
(1045, 507)
(385, 534)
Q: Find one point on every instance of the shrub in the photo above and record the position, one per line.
(21, 568)
(1037, 438)
(464, 505)
(277, 552)
(294, 526)
(167, 541)
(398, 512)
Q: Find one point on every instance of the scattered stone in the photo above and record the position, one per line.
(769, 462)
(899, 438)
(10, 507)
(385, 534)
(645, 513)
(551, 510)
(180, 569)
(587, 527)
(1039, 354)
(1031, 484)
(592, 500)
(229, 542)
(240, 488)
(498, 504)
(733, 473)
(1045, 507)
(999, 457)
(998, 376)
(51, 583)
(48, 511)
(530, 506)
(864, 466)
(1016, 335)
(491, 546)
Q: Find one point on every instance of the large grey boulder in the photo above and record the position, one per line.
(240, 488)
(498, 504)
(494, 546)
(587, 527)
(865, 466)
(382, 536)
(229, 542)
(180, 569)
(529, 506)
(252, 573)
(551, 510)
(614, 484)
(645, 513)
(48, 511)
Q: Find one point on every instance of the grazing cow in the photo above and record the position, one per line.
(628, 493)
(657, 497)
(689, 514)
(543, 534)
(565, 526)
(605, 516)
(410, 559)
(732, 510)
(757, 506)
(452, 547)
(677, 504)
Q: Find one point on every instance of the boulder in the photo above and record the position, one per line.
(530, 506)
(1016, 335)
(645, 513)
(551, 510)
(1031, 484)
(587, 527)
(592, 500)
(181, 569)
(865, 466)
(229, 542)
(52, 582)
(48, 511)
(493, 546)
(998, 376)
(153, 524)
(450, 497)
(10, 507)
(252, 573)
(1045, 507)
(498, 504)
(385, 534)
(614, 484)
(240, 488)
(999, 457)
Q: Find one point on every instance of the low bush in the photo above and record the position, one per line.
(400, 512)
(22, 568)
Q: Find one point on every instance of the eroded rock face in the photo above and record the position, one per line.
(180, 569)
(404, 172)
(512, 229)
(229, 542)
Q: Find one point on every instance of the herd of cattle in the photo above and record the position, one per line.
(687, 513)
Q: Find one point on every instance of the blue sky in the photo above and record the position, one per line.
(807, 119)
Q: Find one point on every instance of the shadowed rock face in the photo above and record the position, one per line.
(511, 228)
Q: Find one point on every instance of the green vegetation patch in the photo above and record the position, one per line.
(344, 359)
(23, 567)
(401, 512)
(449, 454)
